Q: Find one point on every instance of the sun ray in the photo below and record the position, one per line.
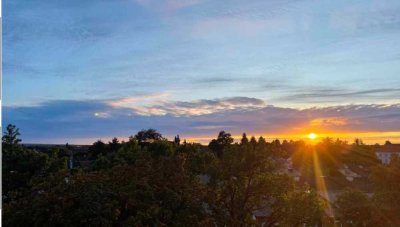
(320, 182)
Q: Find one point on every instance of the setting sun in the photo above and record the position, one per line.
(312, 136)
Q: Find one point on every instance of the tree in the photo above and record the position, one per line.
(19, 168)
(128, 153)
(262, 140)
(358, 142)
(217, 145)
(153, 192)
(360, 155)
(253, 142)
(56, 161)
(388, 143)
(149, 134)
(244, 139)
(114, 145)
(10, 138)
(329, 153)
(386, 180)
(354, 208)
(160, 148)
(302, 207)
(243, 184)
(98, 147)
(21, 165)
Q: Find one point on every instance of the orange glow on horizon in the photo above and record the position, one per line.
(367, 137)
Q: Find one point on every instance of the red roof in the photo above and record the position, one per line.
(389, 148)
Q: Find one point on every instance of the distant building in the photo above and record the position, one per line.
(71, 162)
(386, 152)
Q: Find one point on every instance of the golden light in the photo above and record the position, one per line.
(312, 136)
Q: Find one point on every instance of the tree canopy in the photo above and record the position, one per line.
(150, 181)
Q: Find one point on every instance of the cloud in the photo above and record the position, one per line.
(134, 101)
(84, 121)
(335, 94)
(167, 5)
(195, 108)
(242, 26)
(214, 80)
(366, 17)
(178, 4)
(329, 121)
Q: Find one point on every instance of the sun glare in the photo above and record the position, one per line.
(312, 136)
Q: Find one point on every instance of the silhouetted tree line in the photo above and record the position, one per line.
(150, 181)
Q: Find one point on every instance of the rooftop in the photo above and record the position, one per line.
(389, 148)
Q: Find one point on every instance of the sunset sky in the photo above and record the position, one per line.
(76, 71)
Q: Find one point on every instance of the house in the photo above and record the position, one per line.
(386, 152)
(285, 166)
(348, 173)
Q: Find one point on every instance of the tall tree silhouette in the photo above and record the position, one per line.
(253, 142)
(114, 145)
(177, 140)
(244, 139)
(10, 137)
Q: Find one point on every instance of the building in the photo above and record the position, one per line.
(386, 152)
(285, 166)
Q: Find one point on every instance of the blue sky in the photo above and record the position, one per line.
(119, 66)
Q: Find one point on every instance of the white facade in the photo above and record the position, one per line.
(385, 156)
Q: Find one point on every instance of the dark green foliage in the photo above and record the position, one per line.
(128, 153)
(303, 206)
(160, 148)
(113, 145)
(149, 181)
(56, 162)
(149, 134)
(386, 181)
(354, 208)
(243, 183)
(19, 166)
(152, 192)
(328, 154)
(98, 148)
(217, 145)
(360, 154)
